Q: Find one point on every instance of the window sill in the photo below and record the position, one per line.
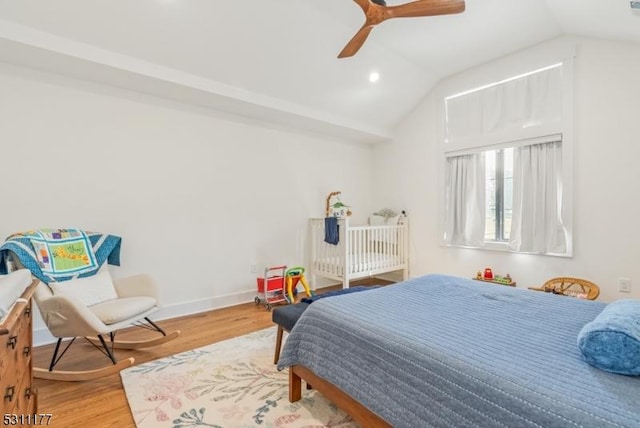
(503, 247)
(497, 246)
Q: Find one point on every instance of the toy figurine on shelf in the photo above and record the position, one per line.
(488, 276)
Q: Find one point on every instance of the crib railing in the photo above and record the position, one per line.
(328, 259)
(361, 251)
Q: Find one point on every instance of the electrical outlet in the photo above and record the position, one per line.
(624, 285)
(253, 268)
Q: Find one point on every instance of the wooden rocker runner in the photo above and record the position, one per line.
(67, 317)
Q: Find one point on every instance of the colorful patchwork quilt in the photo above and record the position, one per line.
(61, 254)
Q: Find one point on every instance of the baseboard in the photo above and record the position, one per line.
(42, 336)
(203, 305)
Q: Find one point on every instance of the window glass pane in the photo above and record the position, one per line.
(508, 193)
(490, 196)
(498, 194)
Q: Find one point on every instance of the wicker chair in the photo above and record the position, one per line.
(574, 287)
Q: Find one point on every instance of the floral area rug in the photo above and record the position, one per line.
(229, 384)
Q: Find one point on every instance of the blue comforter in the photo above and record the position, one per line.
(442, 351)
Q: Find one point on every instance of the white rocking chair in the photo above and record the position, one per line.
(68, 317)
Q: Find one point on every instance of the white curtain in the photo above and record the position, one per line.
(537, 225)
(465, 200)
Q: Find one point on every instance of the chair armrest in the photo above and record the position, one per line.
(141, 285)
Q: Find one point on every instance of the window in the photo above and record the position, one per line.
(498, 194)
(507, 164)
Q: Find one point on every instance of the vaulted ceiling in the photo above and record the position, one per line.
(276, 60)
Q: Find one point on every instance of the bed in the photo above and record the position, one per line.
(442, 351)
(361, 252)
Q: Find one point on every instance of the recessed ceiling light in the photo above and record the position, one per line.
(374, 76)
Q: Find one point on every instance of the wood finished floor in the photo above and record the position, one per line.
(102, 402)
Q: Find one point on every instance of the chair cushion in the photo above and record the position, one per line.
(117, 310)
(89, 290)
(611, 341)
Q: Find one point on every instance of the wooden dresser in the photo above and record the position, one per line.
(16, 379)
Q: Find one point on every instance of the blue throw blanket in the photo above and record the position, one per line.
(61, 254)
(338, 293)
(331, 230)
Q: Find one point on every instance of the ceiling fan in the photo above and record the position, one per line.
(377, 11)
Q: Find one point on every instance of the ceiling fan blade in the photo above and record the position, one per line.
(364, 4)
(426, 8)
(356, 42)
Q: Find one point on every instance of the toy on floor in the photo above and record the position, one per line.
(293, 276)
(271, 289)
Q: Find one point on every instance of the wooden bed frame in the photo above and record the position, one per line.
(358, 412)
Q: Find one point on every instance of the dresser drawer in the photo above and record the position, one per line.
(11, 377)
(15, 346)
(24, 401)
(16, 392)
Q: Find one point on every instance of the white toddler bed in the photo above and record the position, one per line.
(362, 251)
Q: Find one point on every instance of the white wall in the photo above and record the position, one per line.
(197, 198)
(606, 180)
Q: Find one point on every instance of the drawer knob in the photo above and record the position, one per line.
(9, 392)
(27, 393)
(26, 351)
(11, 343)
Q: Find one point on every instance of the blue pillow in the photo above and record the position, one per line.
(611, 341)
